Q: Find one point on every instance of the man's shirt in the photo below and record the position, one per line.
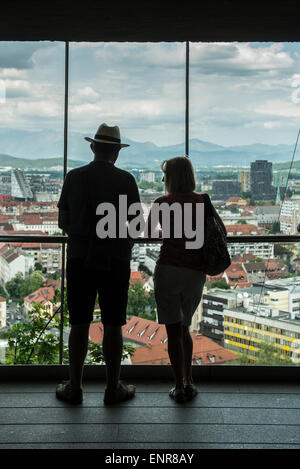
(83, 190)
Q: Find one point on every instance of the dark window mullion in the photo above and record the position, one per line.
(187, 100)
(62, 295)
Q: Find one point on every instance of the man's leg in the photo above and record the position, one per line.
(112, 351)
(78, 347)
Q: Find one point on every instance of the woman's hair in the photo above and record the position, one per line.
(179, 174)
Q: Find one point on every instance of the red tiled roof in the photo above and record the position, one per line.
(2, 299)
(139, 330)
(244, 229)
(42, 295)
(245, 257)
(236, 276)
(205, 352)
(235, 199)
(16, 232)
(136, 276)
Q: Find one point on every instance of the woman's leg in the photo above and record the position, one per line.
(187, 355)
(175, 350)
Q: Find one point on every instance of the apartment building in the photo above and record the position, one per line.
(12, 262)
(264, 250)
(290, 215)
(214, 302)
(241, 320)
(245, 329)
(47, 254)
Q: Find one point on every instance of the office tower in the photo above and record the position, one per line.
(261, 180)
(20, 189)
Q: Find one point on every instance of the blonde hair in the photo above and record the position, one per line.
(179, 174)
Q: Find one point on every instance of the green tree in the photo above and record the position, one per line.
(3, 293)
(38, 266)
(19, 287)
(137, 299)
(275, 227)
(271, 355)
(268, 354)
(246, 195)
(242, 222)
(31, 342)
(96, 356)
(220, 284)
(14, 287)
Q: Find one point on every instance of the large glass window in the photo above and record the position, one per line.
(242, 126)
(244, 108)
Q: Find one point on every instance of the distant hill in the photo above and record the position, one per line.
(27, 148)
(40, 163)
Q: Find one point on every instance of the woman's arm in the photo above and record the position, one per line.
(151, 230)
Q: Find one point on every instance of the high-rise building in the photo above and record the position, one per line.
(261, 180)
(20, 189)
(244, 178)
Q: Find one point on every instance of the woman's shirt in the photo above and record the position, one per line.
(174, 250)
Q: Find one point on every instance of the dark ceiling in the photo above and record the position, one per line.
(238, 20)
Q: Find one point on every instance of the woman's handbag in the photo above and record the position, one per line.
(215, 255)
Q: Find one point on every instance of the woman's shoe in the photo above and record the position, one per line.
(190, 391)
(178, 395)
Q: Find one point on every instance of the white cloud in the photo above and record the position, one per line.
(84, 95)
(12, 73)
(278, 108)
(239, 58)
(43, 108)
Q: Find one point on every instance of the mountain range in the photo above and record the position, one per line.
(23, 149)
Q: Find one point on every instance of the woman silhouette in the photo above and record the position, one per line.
(178, 278)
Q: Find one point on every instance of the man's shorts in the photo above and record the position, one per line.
(111, 286)
(178, 292)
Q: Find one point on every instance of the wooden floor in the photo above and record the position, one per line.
(234, 415)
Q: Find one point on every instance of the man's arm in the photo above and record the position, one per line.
(63, 208)
(63, 220)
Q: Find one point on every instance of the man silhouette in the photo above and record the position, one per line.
(96, 265)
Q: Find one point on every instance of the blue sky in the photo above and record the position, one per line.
(240, 93)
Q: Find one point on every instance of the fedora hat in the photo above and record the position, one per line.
(107, 134)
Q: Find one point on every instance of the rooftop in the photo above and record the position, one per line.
(205, 351)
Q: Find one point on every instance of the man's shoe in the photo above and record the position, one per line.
(121, 394)
(67, 393)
